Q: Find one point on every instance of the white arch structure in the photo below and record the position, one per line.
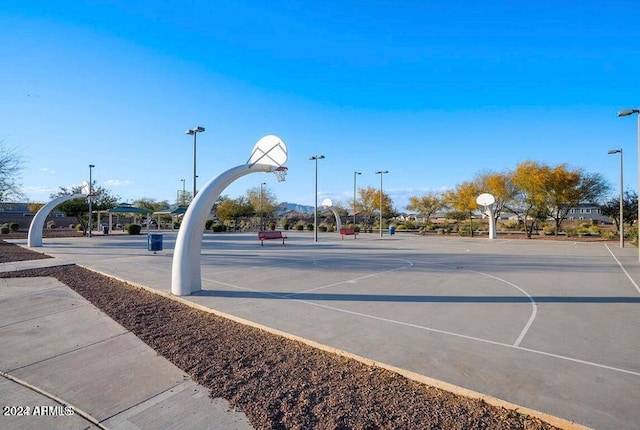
(327, 205)
(268, 154)
(34, 239)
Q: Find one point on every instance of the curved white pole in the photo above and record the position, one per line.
(492, 223)
(185, 271)
(35, 229)
(338, 220)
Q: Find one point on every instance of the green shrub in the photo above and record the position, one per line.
(134, 229)
(356, 228)
(4, 229)
(331, 229)
(208, 224)
(272, 225)
(285, 226)
(321, 228)
(299, 227)
(310, 227)
(79, 227)
(14, 226)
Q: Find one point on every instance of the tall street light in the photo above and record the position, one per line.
(91, 166)
(628, 112)
(355, 174)
(315, 212)
(183, 191)
(194, 132)
(381, 172)
(616, 151)
(261, 194)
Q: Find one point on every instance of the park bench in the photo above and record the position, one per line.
(267, 235)
(348, 232)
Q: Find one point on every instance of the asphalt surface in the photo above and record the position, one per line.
(550, 326)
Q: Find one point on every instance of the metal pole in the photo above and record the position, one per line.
(315, 212)
(627, 112)
(261, 184)
(354, 196)
(621, 205)
(381, 172)
(195, 133)
(91, 166)
(183, 192)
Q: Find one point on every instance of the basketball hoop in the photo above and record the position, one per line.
(281, 173)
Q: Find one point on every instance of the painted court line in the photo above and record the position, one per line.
(622, 267)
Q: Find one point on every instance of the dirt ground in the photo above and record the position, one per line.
(276, 382)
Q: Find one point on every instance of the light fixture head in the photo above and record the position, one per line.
(614, 151)
(92, 165)
(379, 172)
(199, 129)
(627, 112)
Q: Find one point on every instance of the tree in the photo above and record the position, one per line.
(529, 178)
(426, 205)
(232, 209)
(263, 206)
(370, 203)
(500, 186)
(11, 164)
(463, 199)
(566, 188)
(34, 207)
(102, 201)
(151, 204)
(629, 209)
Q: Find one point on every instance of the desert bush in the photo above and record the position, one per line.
(310, 227)
(208, 224)
(322, 228)
(14, 226)
(134, 229)
(4, 229)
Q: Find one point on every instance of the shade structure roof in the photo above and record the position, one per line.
(173, 210)
(129, 209)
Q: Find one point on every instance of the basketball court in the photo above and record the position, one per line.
(552, 326)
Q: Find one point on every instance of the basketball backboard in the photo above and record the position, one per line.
(269, 150)
(485, 199)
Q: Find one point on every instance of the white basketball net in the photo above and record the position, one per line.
(281, 173)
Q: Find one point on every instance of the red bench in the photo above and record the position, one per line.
(267, 235)
(348, 232)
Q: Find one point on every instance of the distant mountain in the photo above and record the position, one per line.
(289, 207)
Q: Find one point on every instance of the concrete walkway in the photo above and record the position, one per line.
(66, 365)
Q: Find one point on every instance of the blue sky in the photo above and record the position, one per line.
(433, 92)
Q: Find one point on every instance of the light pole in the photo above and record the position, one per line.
(628, 112)
(381, 172)
(616, 151)
(261, 194)
(183, 192)
(355, 174)
(315, 212)
(194, 132)
(91, 166)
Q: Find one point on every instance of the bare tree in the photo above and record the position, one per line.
(11, 164)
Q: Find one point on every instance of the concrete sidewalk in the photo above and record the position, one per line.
(66, 365)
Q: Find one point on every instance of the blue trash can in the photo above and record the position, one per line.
(155, 242)
(392, 230)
